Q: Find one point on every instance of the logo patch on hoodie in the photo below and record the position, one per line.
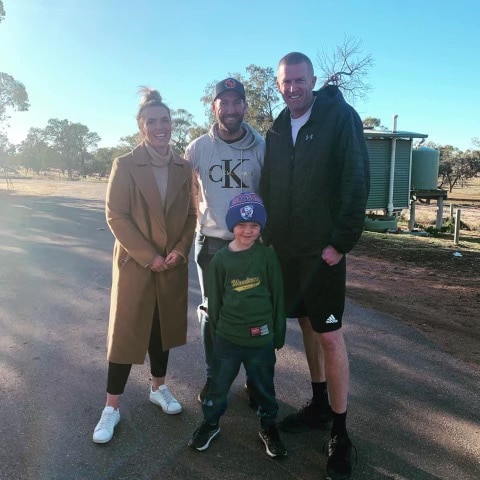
(259, 331)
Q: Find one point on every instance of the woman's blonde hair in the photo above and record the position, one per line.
(150, 98)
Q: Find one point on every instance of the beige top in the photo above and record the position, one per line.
(160, 170)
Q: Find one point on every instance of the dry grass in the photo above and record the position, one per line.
(466, 198)
(469, 192)
(48, 187)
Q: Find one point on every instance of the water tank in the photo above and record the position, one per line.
(425, 168)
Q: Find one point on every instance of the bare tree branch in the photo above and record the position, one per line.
(347, 68)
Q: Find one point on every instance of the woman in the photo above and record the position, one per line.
(151, 212)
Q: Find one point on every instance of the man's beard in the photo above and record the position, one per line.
(231, 127)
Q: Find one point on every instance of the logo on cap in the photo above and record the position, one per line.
(246, 212)
(230, 83)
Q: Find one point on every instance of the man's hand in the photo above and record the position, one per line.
(331, 256)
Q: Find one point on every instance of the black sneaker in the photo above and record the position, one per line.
(310, 416)
(339, 463)
(273, 443)
(203, 393)
(203, 436)
(251, 400)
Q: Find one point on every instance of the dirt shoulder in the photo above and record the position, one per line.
(424, 285)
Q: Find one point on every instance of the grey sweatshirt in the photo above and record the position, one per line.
(224, 170)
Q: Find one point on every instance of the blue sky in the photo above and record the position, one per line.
(83, 60)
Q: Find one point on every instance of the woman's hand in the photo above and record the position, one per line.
(173, 259)
(158, 264)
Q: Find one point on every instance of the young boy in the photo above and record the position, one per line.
(246, 311)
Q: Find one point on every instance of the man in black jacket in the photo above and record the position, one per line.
(315, 184)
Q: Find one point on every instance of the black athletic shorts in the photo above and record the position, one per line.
(315, 290)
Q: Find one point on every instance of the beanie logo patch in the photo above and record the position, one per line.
(246, 212)
(245, 207)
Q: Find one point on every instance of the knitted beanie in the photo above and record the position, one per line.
(246, 207)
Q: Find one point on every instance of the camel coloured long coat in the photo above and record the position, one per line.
(144, 228)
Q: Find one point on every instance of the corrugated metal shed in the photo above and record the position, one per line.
(379, 145)
(376, 134)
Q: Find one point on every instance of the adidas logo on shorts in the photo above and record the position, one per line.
(331, 319)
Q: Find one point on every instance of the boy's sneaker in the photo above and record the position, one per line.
(103, 432)
(310, 416)
(273, 443)
(203, 435)
(339, 463)
(164, 398)
(252, 403)
(203, 393)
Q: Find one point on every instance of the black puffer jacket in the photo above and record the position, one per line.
(316, 192)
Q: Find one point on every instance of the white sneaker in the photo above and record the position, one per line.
(164, 398)
(103, 432)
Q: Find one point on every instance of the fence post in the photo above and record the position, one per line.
(439, 214)
(456, 237)
(411, 221)
(451, 212)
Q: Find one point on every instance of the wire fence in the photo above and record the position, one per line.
(426, 214)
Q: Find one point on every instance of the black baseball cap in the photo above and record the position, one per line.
(229, 84)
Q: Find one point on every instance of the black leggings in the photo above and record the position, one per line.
(118, 372)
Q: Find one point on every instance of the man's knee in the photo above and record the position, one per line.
(332, 341)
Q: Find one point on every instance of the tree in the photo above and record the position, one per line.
(182, 125)
(102, 159)
(371, 122)
(7, 150)
(347, 68)
(60, 136)
(456, 167)
(129, 142)
(87, 141)
(199, 130)
(35, 153)
(12, 93)
(262, 95)
(72, 141)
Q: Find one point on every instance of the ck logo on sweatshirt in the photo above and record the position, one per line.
(231, 173)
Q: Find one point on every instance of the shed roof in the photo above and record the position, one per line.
(377, 134)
